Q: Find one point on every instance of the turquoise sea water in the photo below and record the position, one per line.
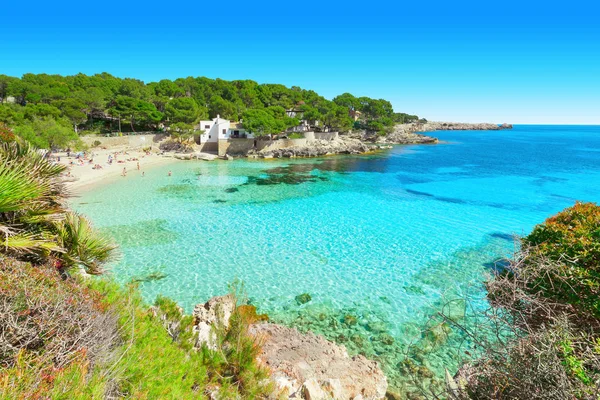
(379, 242)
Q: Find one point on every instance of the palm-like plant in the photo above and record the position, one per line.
(82, 244)
(33, 216)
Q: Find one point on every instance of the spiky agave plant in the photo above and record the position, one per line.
(33, 217)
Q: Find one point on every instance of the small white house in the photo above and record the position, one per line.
(221, 129)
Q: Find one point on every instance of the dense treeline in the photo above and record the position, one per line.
(51, 110)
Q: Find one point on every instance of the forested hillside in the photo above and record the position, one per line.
(52, 110)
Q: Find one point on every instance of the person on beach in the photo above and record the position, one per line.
(138, 165)
(143, 174)
(124, 173)
(170, 173)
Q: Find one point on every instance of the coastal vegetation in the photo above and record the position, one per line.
(52, 111)
(65, 336)
(546, 299)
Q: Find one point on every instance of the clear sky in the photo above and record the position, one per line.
(485, 61)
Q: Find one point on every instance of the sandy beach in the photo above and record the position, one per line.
(84, 174)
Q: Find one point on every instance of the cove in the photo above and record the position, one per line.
(380, 242)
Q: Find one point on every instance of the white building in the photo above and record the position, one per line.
(221, 129)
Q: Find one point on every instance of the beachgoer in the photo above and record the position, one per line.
(143, 174)
(170, 173)
(138, 165)
(124, 173)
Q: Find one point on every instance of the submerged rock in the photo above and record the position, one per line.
(310, 367)
(303, 298)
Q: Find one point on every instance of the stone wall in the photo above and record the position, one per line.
(208, 147)
(309, 135)
(242, 146)
(326, 135)
(280, 144)
(235, 146)
(320, 135)
(134, 141)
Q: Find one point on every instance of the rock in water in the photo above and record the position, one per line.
(303, 298)
(310, 367)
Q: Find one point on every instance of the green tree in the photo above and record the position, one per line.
(74, 110)
(337, 118)
(222, 107)
(135, 111)
(181, 131)
(47, 133)
(259, 122)
(167, 88)
(182, 109)
(349, 101)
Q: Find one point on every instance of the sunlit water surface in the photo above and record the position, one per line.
(379, 242)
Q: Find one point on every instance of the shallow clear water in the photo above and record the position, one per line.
(384, 238)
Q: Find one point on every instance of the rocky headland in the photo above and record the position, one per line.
(412, 133)
(401, 134)
(452, 126)
(315, 148)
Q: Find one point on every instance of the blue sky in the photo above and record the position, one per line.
(485, 61)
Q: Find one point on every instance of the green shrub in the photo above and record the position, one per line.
(570, 239)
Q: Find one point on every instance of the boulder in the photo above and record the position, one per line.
(183, 156)
(205, 156)
(311, 390)
(174, 145)
(215, 312)
(311, 367)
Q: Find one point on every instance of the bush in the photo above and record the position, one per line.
(571, 238)
(96, 143)
(546, 299)
(545, 365)
(53, 333)
(6, 134)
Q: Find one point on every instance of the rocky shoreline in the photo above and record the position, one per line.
(452, 126)
(302, 365)
(401, 134)
(316, 148)
(356, 142)
(360, 142)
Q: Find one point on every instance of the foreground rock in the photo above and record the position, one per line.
(304, 366)
(215, 312)
(310, 367)
(316, 148)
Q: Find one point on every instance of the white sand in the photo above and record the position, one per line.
(83, 177)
